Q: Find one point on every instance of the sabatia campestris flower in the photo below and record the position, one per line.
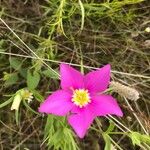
(81, 95)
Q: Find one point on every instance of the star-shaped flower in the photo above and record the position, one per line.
(82, 96)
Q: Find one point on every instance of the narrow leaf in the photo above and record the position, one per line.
(6, 102)
(107, 142)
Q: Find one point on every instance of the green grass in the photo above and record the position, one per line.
(35, 37)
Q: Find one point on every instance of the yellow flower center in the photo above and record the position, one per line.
(81, 97)
(26, 94)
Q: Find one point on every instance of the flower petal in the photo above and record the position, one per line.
(80, 120)
(70, 78)
(59, 103)
(97, 81)
(104, 105)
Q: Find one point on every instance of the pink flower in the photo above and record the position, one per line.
(81, 95)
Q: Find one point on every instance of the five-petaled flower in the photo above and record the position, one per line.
(82, 98)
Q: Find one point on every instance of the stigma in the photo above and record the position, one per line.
(81, 97)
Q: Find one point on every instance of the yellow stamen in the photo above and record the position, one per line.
(26, 94)
(81, 97)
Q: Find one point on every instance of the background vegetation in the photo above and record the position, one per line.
(36, 36)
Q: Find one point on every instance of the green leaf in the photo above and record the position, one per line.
(110, 128)
(37, 96)
(83, 14)
(23, 72)
(6, 102)
(32, 79)
(2, 45)
(10, 79)
(17, 116)
(107, 142)
(48, 73)
(15, 63)
(29, 108)
(145, 139)
(136, 138)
